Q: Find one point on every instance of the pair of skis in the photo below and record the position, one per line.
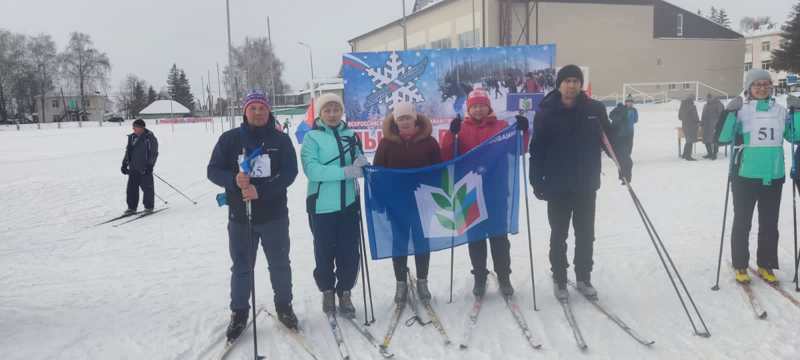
(416, 318)
(130, 217)
(516, 312)
(341, 345)
(576, 332)
(755, 303)
(296, 335)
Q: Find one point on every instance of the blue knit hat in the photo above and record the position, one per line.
(255, 96)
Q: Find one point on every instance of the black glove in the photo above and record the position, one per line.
(522, 123)
(625, 174)
(455, 125)
(124, 169)
(149, 169)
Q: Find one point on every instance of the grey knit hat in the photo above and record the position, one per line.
(755, 75)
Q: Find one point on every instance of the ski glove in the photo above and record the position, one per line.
(522, 123)
(352, 172)
(149, 169)
(455, 125)
(735, 104)
(361, 161)
(124, 169)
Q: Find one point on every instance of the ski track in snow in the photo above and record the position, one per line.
(158, 288)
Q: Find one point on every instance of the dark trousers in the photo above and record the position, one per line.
(687, 149)
(138, 180)
(746, 194)
(400, 264)
(580, 208)
(336, 249)
(624, 149)
(712, 150)
(501, 256)
(274, 238)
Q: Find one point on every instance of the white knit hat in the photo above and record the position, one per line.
(326, 98)
(404, 108)
(755, 75)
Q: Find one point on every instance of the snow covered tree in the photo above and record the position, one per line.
(255, 66)
(151, 95)
(787, 56)
(179, 89)
(723, 19)
(748, 23)
(83, 64)
(132, 96)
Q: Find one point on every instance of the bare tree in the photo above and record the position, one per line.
(255, 66)
(42, 53)
(12, 53)
(83, 64)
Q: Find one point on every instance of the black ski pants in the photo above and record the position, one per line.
(138, 180)
(580, 208)
(747, 193)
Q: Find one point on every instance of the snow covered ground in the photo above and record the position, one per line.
(158, 288)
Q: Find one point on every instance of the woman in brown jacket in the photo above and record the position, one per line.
(407, 143)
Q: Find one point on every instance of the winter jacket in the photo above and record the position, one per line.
(141, 152)
(566, 146)
(708, 120)
(224, 165)
(471, 135)
(623, 119)
(760, 127)
(420, 151)
(325, 153)
(687, 114)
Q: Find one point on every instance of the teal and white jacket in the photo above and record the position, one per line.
(759, 129)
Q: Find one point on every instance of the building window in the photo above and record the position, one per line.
(673, 86)
(441, 44)
(680, 25)
(86, 103)
(765, 46)
(748, 66)
(687, 85)
(55, 118)
(54, 104)
(468, 39)
(766, 65)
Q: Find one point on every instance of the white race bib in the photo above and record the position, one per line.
(765, 131)
(261, 166)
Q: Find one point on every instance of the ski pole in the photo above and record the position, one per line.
(160, 198)
(452, 236)
(794, 198)
(174, 188)
(528, 219)
(354, 145)
(728, 186)
(661, 249)
(254, 247)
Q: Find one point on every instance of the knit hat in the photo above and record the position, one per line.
(404, 108)
(569, 71)
(255, 96)
(478, 96)
(755, 75)
(325, 99)
(139, 123)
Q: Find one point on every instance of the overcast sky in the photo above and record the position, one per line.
(144, 37)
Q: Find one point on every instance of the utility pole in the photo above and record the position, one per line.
(405, 38)
(271, 61)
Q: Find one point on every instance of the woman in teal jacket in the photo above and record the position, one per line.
(332, 161)
(758, 126)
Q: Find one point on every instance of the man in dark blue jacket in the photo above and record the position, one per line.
(271, 168)
(569, 134)
(140, 158)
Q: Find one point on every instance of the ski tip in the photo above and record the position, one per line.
(584, 347)
(649, 343)
(763, 315)
(704, 334)
(463, 346)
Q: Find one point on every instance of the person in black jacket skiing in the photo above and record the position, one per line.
(570, 131)
(271, 166)
(140, 158)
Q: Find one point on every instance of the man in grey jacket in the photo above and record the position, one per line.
(140, 158)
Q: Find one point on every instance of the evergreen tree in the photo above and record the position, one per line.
(723, 19)
(787, 56)
(138, 98)
(178, 87)
(151, 95)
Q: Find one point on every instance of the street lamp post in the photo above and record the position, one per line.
(311, 61)
(41, 111)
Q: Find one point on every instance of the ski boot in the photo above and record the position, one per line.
(129, 212)
(767, 275)
(422, 290)
(328, 302)
(238, 324)
(286, 316)
(346, 307)
(505, 285)
(742, 277)
(560, 290)
(148, 210)
(585, 287)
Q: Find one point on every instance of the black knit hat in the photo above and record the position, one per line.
(567, 72)
(139, 123)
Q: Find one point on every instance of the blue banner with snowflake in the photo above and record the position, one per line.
(438, 81)
(472, 197)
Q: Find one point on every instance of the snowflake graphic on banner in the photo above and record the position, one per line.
(394, 83)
